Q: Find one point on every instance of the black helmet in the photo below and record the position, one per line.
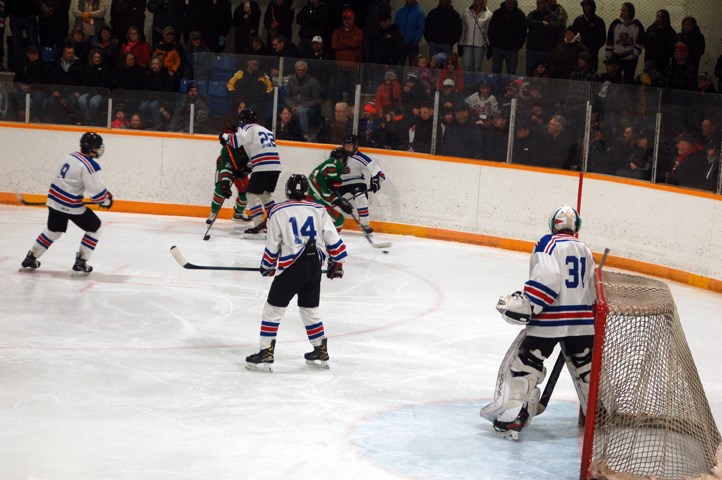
(339, 153)
(92, 144)
(353, 140)
(296, 186)
(247, 116)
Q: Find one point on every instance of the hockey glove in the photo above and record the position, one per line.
(345, 206)
(515, 308)
(223, 138)
(334, 269)
(268, 272)
(108, 202)
(226, 189)
(375, 183)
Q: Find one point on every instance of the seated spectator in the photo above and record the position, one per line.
(68, 79)
(446, 118)
(137, 46)
(303, 96)
(494, 140)
(711, 141)
(453, 71)
(690, 167)
(437, 62)
(282, 47)
(182, 117)
(541, 70)
(681, 74)
(169, 51)
(195, 45)
(32, 76)
(650, 76)
(389, 92)
(80, 43)
(462, 138)
(424, 73)
(637, 156)
(92, 100)
(413, 94)
(129, 75)
(393, 129)
(341, 127)
(157, 79)
(368, 125)
(287, 126)
(448, 97)
(421, 132)
(108, 46)
(583, 71)
(558, 150)
(704, 83)
(483, 104)
(565, 55)
(256, 46)
(119, 120)
(136, 122)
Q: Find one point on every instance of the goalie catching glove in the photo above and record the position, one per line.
(515, 308)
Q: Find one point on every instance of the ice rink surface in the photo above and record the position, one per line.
(137, 371)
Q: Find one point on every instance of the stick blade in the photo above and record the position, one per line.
(175, 251)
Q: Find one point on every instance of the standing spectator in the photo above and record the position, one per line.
(195, 45)
(462, 137)
(53, 23)
(254, 87)
(91, 101)
(411, 22)
(376, 11)
(422, 131)
(22, 22)
(312, 20)
(692, 36)
(166, 13)
(137, 46)
(718, 72)
(29, 78)
(278, 19)
(681, 74)
(170, 53)
(213, 20)
(246, 20)
(108, 47)
(303, 96)
(690, 167)
(387, 44)
(347, 43)
(592, 29)
(507, 34)
(443, 28)
(659, 41)
(182, 117)
(625, 40)
(62, 103)
(564, 57)
(157, 79)
(560, 17)
(544, 32)
(124, 14)
(474, 35)
(90, 17)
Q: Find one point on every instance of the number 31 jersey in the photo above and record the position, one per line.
(561, 283)
(290, 225)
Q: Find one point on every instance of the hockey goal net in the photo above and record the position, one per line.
(648, 414)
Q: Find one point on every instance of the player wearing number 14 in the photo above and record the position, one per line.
(556, 306)
(300, 235)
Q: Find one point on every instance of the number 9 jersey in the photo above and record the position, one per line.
(291, 224)
(561, 287)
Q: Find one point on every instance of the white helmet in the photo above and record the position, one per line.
(565, 219)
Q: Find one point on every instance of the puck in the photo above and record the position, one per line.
(206, 237)
(384, 251)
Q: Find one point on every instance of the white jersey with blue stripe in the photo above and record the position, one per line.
(78, 175)
(356, 166)
(260, 145)
(561, 287)
(290, 225)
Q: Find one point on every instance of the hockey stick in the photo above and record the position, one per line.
(206, 235)
(556, 371)
(175, 251)
(367, 236)
(38, 204)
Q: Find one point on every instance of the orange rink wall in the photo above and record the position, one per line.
(397, 228)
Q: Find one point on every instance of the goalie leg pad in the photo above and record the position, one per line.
(579, 365)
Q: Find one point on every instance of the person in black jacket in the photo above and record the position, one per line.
(387, 45)
(94, 98)
(157, 79)
(68, 74)
(30, 77)
(125, 14)
(443, 28)
(659, 41)
(213, 19)
(22, 19)
(278, 19)
(462, 137)
(313, 19)
(592, 29)
(692, 36)
(246, 19)
(53, 22)
(507, 34)
(166, 13)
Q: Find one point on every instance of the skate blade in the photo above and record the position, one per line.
(511, 435)
(75, 274)
(320, 364)
(255, 236)
(259, 367)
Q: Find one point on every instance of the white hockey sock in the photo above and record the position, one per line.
(314, 326)
(44, 241)
(271, 319)
(88, 243)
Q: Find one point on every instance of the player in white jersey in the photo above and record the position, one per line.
(300, 233)
(77, 175)
(360, 175)
(260, 145)
(556, 306)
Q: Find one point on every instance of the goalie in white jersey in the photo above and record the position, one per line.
(77, 175)
(556, 306)
(360, 175)
(294, 258)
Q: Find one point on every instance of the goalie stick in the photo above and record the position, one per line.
(22, 200)
(181, 259)
(556, 371)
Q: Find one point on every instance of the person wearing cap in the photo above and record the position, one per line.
(681, 74)
(693, 37)
(584, 70)
(462, 137)
(169, 51)
(690, 166)
(246, 20)
(368, 125)
(659, 40)
(278, 19)
(448, 96)
(592, 29)
(347, 43)
(443, 28)
(564, 57)
(386, 47)
(29, 77)
(474, 35)
(165, 13)
(195, 45)
(453, 71)
(322, 70)
(704, 83)
(507, 34)
(411, 22)
(89, 17)
(312, 20)
(544, 33)
(625, 41)
(389, 92)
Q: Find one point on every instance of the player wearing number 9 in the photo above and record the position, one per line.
(556, 306)
(300, 237)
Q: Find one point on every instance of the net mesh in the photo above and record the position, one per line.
(652, 418)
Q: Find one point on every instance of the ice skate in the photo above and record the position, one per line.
(366, 229)
(81, 268)
(319, 357)
(261, 361)
(30, 261)
(256, 231)
(241, 216)
(510, 430)
(211, 218)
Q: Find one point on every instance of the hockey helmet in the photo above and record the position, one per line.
(92, 144)
(247, 115)
(351, 140)
(565, 219)
(296, 186)
(339, 153)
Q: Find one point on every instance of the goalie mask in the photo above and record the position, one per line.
(91, 144)
(296, 187)
(565, 219)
